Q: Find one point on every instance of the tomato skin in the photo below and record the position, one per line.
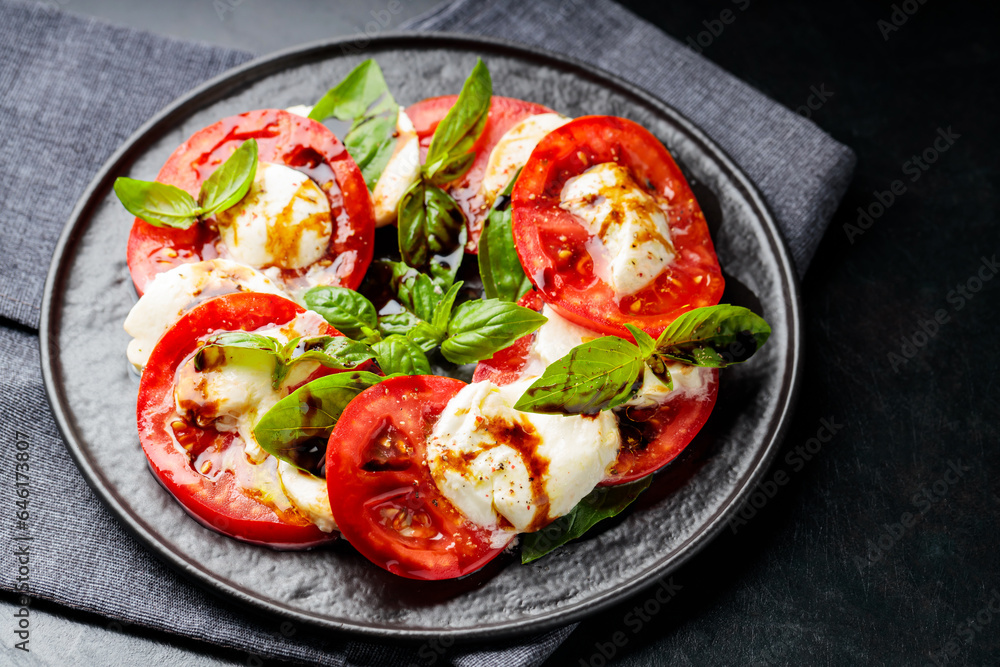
(505, 112)
(377, 476)
(282, 138)
(550, 241)
(218, 504)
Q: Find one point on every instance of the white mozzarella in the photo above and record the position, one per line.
(514, 149)
(231, 398)
(402, 171)
(172, 293)
(284, 221)
(513, 471)
(300, 110)
(630, 224)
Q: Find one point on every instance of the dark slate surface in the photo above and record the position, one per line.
(795, 585)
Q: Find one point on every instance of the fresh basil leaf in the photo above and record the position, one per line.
(337, 352)
(363, 98)
(347, 311)
(499, 266)
(397, 323)
(479, 329)
(449, 155)
(297, 427)
(244, 348)
(430, 223)
(714, 336)
(425, 336)
(595, 376)
(420, 295)
(602, 503)
(230, 182)
(397, 354)
(643, 340)
(159, 204)
(442, 311)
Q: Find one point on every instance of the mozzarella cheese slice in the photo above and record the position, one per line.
(300, 110)
(231, 398)
(284, 221)
(402, 171)
(514, 149)
(634, 243)
(172, 293)
(513, 471)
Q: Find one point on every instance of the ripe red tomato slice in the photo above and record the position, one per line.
(651, 436)
(381, 491)
(552, 243)
(178, 450)
(505, 112)
(282, 138)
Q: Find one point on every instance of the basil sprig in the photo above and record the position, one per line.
(602, 503)
(607, 372)
(450, 152)
(363, 98)
(248, 348)
(432, 229)
(297, 427)
(400, 342)
(163, 205)
(499, 266)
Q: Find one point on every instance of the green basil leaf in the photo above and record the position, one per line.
(230, 182)
(398, 323)
(602, 503)
(430, 223)
(500, 268)
(714, 336)
(643, 340)
(243, 348)
(396, 354)
(347, 311)
(337, 352)
(595, 376)
(442, 311)
(425, 336)
(449, 154)
(363, 98)
(159, 204)
(297, 427)
(479, 329)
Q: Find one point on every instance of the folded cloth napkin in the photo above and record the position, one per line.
(74, 89)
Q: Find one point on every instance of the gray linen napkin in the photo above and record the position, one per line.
(74, 89)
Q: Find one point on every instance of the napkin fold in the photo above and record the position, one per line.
(74, 89)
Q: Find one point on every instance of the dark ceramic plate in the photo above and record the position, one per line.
(93, 393)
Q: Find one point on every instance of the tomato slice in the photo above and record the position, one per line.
(552, 243)
(382, 494)
(505, 112)
(651, 436)
(178, 450)
(282, 138)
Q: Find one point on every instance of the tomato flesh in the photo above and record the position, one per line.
(174, 447)
(282, 138)
(383, 497)
(552, 243)
(505, 113)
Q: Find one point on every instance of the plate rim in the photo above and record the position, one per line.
(222, 85)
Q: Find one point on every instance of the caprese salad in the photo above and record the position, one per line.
(293, 390)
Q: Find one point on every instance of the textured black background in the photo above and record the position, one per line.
(825, 572)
